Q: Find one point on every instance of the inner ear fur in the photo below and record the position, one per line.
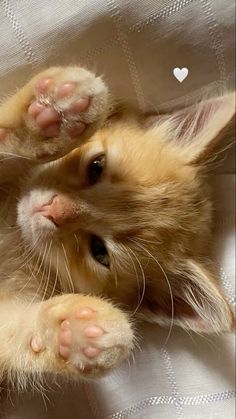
(197, 302)
(198, 129)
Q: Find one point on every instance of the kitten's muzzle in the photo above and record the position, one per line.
(59, 210)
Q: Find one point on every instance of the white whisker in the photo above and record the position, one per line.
(77, 242)
(32, 271)
(36, 294)
(56, 276)
(169, 286)
(136, 273)
(13, 155)
(144, 281)
(49, 271)
(67, 269)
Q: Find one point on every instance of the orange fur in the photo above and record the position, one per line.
(151, 207)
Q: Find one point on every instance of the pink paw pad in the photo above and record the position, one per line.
(35, 109)
(68, 336)
(93, 331)
(65, 339)
(36, 344)
(80, 105)
(48, 119)
(43, 85)
(84, 313)
(91, 351)
(66, 90)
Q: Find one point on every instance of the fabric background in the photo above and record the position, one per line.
(135, 45)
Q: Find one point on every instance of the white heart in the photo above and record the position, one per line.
(180, 73)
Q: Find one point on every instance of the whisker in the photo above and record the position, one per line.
(13, 155)
(136, 273)
(77, 241)
(56, 276)
(32, 270)
(42, 277)
(49, 271)
(42, 260)
(27, 253)
(169, 286)
(144, 282)
(67, 269)
(116, 280)
(149, 241)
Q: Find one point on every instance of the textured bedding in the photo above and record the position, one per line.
(136, 45)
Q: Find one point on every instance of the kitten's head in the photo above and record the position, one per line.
(128, 215)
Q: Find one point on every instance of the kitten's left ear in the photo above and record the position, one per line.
(195, 303)
(197, 129)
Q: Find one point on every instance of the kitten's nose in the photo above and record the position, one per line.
(59, 210)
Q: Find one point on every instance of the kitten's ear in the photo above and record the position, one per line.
(197, 303)
(197, 129)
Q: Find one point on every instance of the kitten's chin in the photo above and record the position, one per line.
(35, 227)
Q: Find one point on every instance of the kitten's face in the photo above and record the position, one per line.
(109, 200)
(117, 214)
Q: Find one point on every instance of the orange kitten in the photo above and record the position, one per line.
(127, 216)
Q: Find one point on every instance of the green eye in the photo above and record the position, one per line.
(99, 251)
(95, 169)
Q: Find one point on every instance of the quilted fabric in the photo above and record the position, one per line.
(136, 45)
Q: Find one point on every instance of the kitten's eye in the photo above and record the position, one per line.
(99, 251)
(95, 169)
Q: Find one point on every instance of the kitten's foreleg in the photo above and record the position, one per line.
(73, 335)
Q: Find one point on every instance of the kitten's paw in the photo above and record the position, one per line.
(91, 338)
(91, 343)
(68, 105)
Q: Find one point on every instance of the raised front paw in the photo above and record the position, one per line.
(92, 336)
(67, 106)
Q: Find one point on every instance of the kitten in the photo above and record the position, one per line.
(100, 218)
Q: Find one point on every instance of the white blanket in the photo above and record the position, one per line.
(136, 45)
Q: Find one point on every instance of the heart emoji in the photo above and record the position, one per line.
(180, 73)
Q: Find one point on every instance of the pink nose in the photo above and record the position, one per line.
(59, 210)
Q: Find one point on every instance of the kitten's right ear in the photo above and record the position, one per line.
(193, 300)
(197, 129)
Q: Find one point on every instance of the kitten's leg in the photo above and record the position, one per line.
(76, 335)
(56, 111)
